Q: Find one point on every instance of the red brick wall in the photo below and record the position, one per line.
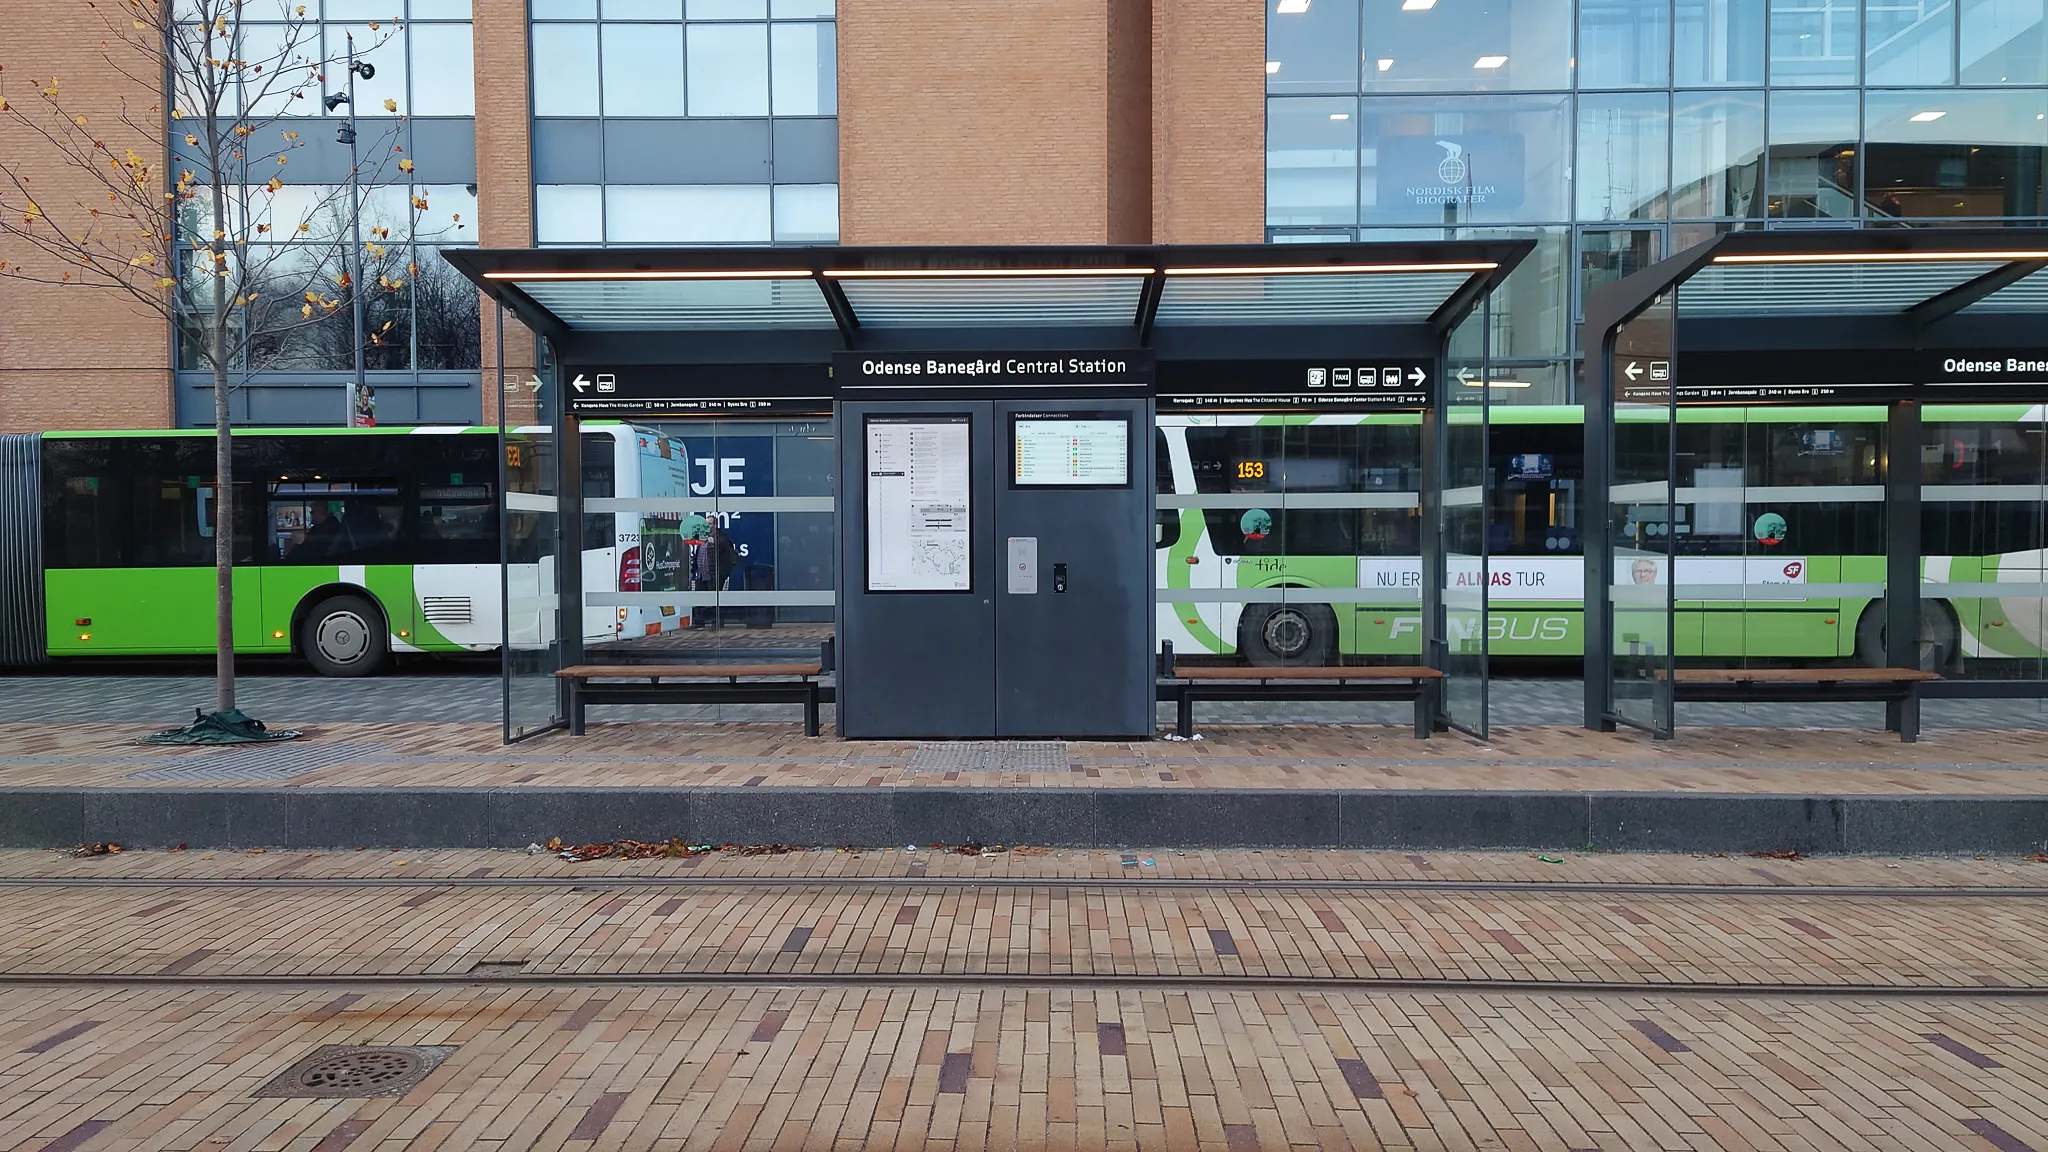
(1208, 122)
(974, 121)
(71, 356)
(504, 168)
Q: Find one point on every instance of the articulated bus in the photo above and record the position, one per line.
(350, 545)
(1329, 506)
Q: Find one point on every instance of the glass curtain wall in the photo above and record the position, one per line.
(685, 121)
(1617, 132)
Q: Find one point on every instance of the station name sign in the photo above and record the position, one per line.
(1862, 375)
(877, 374)
(1029, 367)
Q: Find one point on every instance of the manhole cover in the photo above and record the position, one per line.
(990, 756)
(348, 1070)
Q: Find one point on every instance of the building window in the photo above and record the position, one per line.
(770, 66)
(418, 311)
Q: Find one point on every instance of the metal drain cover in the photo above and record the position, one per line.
(353, 1070)
(990, 756)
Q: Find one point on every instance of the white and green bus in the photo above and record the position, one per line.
(1296, 539)
(350, 545)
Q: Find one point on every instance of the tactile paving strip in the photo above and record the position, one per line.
(990, 756)
(276, 761)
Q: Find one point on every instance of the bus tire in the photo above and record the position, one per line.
(345, 636)
(1937, 626)
(1288, 635)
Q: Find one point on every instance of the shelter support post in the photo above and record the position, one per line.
(1596, 531)
(568, 529)
(1902, 561)
(1430, 508)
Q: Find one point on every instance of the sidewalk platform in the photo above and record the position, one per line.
(348, 785)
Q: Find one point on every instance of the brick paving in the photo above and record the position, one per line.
(625, 1066)
(1061, 929)
(460, 690)
(356, 754)
(854, 1068)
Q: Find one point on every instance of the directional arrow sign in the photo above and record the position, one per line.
(1634, 371)
(1416, 376)
(1464, 375)
(581, 383)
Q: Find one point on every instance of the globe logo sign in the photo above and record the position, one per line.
(1451, 169)
(1770, 529)
(1256, 524)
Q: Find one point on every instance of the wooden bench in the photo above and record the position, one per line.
(1184, 684)
(1898, 688)
(693, 684)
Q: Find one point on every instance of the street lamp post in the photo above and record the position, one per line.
(347, 135)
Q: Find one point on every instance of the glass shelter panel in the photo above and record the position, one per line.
(1464, 535)
(531, 603)
(1779, 535)
(1983, 504)
(724, 537)
(1641, 520)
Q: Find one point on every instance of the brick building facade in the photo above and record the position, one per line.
(989, 121)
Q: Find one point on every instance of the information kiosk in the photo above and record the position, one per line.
(996, 551)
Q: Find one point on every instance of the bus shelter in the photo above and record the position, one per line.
(1283, 447)
(1816, 468)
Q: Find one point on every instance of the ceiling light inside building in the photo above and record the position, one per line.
(1927, 117)
(1291, 7)
(1340, 115)
(1386, 62)
(1272, 66)
(1417, 5)
(1490, 62)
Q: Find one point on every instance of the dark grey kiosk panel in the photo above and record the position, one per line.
(997, 562)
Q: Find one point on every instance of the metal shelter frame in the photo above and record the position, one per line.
(1814, 317)
(768, 321)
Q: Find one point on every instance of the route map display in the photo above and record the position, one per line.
(1076, 453)
(919, 498)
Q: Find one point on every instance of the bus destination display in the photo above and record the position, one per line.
(1072, 453)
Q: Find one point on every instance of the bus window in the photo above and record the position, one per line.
(336, 521)
(455, 524)
(81, 505)
(171, 511)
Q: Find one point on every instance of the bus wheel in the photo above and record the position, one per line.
(1284, 635)
(344, 636)
(1937, 627)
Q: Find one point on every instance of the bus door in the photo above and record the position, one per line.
(1187, 559)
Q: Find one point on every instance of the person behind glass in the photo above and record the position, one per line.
(322, 535)
(712, 559)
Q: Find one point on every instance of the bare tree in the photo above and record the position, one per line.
(200, 226)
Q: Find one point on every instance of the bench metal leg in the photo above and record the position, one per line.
(1184, 725)
(1424, 711)
(810, 707)
(575, 707)
(1892, 712)
(1909, 716)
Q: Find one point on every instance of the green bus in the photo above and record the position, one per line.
(1296, 539)
(350, 545)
